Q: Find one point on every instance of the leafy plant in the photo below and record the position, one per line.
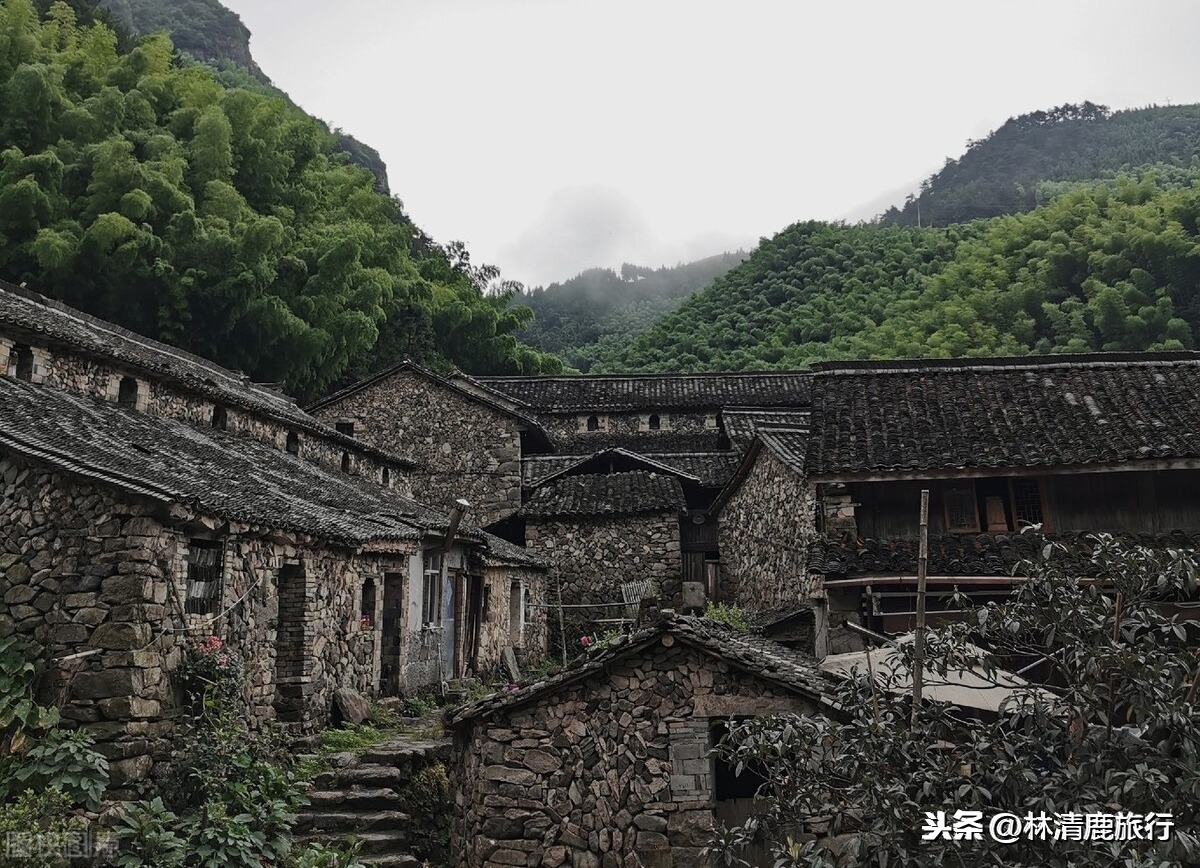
(731, 616)
(149, 836)
(1115, 728)
(424, 800)
(18, 712)
(61, 760)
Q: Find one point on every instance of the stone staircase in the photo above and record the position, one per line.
(361, 797)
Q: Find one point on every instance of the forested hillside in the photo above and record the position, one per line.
(207, 32)
(579, 318)
(220, 220)
(1001, 173)
(1108, 266)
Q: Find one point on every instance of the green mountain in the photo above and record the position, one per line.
(1106, 266)
(1002, 173)
(1098, 252)
(222, 220)
(598, 308)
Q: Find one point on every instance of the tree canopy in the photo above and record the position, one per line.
(1113, 730)
(218, 219)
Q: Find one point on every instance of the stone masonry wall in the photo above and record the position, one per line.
(83, 569)
(593, 556)
(764, 531)
(496, 630)
(612, 772)
(563, 425)
(101, 380)
(467, 449)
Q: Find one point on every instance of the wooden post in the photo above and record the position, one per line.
(919, 639)
(562, 630)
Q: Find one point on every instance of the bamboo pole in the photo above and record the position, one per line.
(919, 639)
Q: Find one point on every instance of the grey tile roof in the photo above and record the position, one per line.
(27, 313)
(633, 493)
(786, 444)
(967, 554)
(740, 424)
(751, 653)
(623, 393)
(501, 552)
(997, 413)
(616, 460)
(713, 469)
(212, 471)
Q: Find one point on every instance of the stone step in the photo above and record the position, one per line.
(392, 860)
(355, 799)
(350, 821)
(371, 844)
(423, 753)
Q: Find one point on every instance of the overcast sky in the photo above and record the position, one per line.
(556, 135)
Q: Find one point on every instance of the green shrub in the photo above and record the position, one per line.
(731, 616)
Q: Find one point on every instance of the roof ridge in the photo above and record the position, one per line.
(1082, 361)
(88, 319)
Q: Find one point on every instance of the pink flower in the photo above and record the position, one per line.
(223, 659)
(585, 641)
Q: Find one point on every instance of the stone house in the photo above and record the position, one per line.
(669, 425)
(606, 763)
(151, 498)
(468, 440)
(1067, 445)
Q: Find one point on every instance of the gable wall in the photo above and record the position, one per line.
(764, 530)
(615, 766)
(468, 449)
(593, 555)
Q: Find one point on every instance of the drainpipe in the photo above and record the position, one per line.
(456, 517)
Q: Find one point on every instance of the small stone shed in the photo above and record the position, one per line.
(606, 763)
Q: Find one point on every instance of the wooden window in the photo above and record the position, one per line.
(367, 609)
(593, 423)
(205, 562)
(431, 590)
(962, 510)
(1027, 502)
(127, 392)
(346, 428)
(293, 442)
(220, 417)
(345, 462)
(654, 422)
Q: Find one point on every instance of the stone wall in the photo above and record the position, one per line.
(613, 771)
(81, 570)
(571, 425)
(497, 632)
(593, 556)
(765, 529)
(468, 449)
